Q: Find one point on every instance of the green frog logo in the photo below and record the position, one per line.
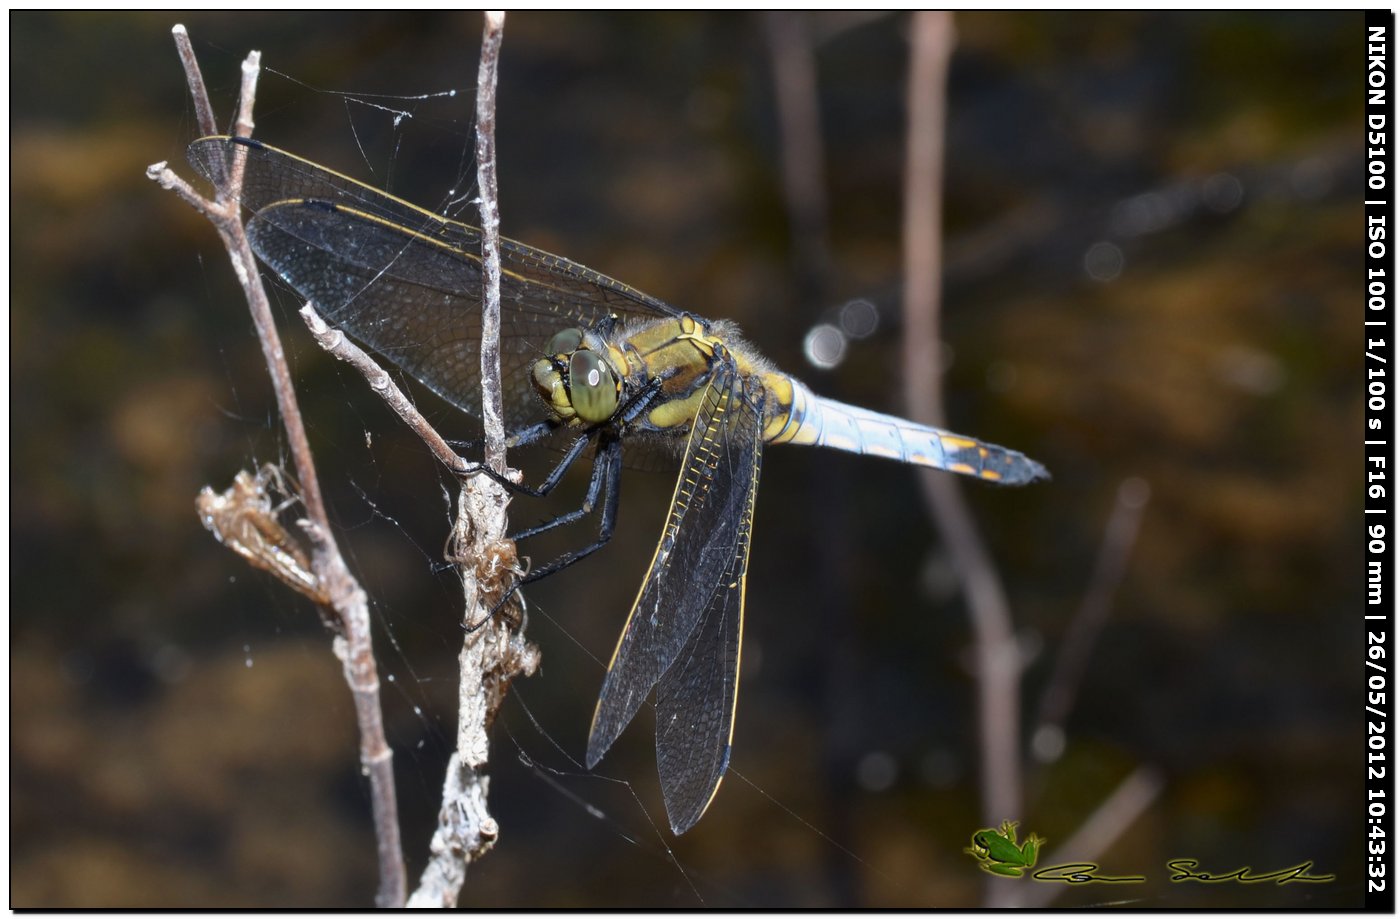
(998, 853)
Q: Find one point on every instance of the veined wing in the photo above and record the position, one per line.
(696, 697)
(407, 282)
(685, 626)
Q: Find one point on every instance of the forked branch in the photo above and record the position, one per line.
(244, 517)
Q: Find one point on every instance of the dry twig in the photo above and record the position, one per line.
(494, 651)
(344, 602)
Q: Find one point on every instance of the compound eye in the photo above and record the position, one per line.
(592, 386)
(565, 342)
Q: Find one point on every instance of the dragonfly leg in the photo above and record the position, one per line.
(595, 483)
(627, 414)
(550, 481)
(607, 478)
(630, 410)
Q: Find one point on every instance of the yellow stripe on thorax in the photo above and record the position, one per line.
(682, 352)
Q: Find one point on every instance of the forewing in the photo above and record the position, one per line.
(407, 282)
(695, 700)
(706, 532)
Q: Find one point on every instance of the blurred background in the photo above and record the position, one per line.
(1152, 279)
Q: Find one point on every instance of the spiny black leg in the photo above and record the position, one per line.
(607, 471)
(595, 482)
(574, 452)
(610, 458)
(629, 412)
(606, 474)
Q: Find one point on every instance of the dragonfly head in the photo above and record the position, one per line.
(575, 381)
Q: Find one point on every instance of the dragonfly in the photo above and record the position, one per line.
(588, 361)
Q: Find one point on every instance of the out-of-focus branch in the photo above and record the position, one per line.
(803, 165)
(997, 654)
(1137, 792)
(1109, 821)
(1047, 740)
(998, 667)
(244, 518)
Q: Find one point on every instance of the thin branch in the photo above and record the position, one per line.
(346, 606)
(492, 406)
(998, 669)
(1047, 740)
(803, 163)
(199, 94)
(224, 213)
(495, 650)
(335, 343)
(1104, 826)
(998, 657)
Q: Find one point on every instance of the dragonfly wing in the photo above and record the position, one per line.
(696, 573)
(398, 293)
(406, 281)
(696, 697)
